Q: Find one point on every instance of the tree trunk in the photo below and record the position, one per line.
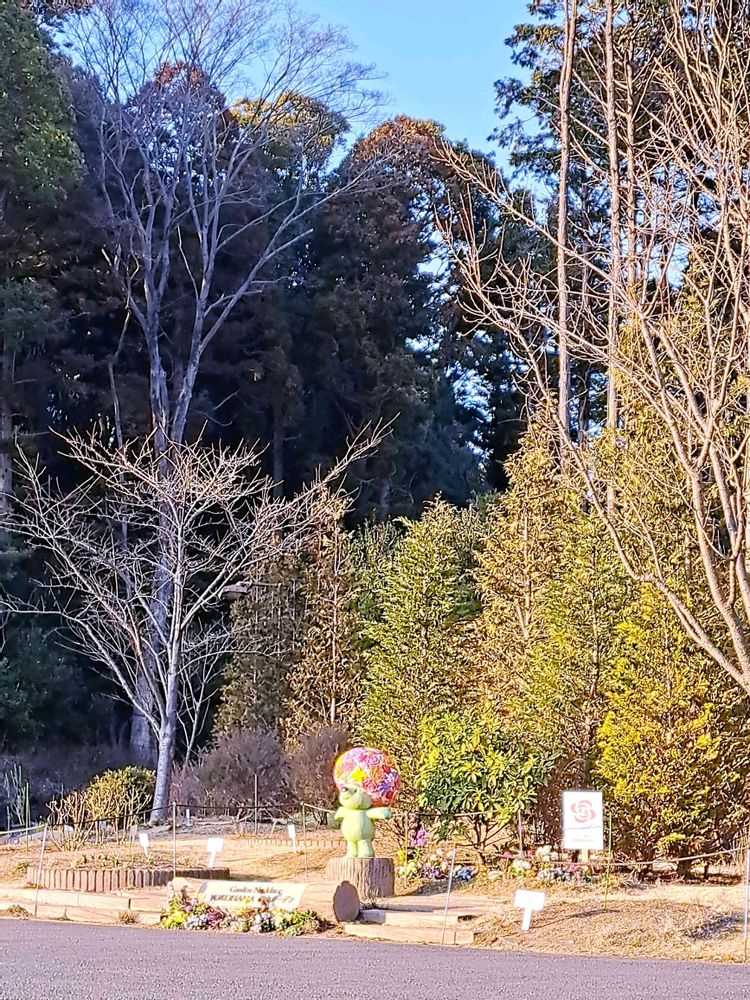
(384, 498)
(6, 428)
(164, 763)
(566, 75)
(141, 743)
(615, 221)
(278, 451)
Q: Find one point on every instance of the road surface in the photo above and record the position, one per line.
(50, 961)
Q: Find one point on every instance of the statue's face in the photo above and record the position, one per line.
(352, 797)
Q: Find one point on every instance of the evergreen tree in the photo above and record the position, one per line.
(416, 656)
(39, 155)
(674, 741)
(38, 162)
(561, 697)
(525, 537)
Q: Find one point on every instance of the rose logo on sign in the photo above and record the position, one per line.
(583, 821)
(583, 811)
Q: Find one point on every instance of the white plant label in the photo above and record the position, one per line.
(530, 901)
(291, 831)
(144, 841)
(214, 846)
(583, 821)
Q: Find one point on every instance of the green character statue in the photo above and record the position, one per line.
(355, 815)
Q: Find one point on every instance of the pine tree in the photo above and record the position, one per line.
(416, 656)
(525, 537)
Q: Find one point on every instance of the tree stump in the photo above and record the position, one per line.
(374, 878)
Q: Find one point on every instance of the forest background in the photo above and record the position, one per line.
(307, 438)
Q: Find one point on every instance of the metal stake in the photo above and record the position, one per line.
(747, 894)
(448, 894)
(304, 835)
(609, 863)
(39, 869)
(174, 840)
(255, 786)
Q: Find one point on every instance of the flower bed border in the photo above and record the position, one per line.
(114, 879)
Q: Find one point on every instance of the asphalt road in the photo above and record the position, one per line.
(49, 961)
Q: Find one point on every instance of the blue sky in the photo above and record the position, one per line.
(440, 58)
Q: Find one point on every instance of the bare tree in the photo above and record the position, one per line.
(188, 101)
(678, 346)
(570, 19)
(115, 539)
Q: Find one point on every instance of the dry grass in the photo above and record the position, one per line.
(245, 860)
(14, 861)
(635, 928)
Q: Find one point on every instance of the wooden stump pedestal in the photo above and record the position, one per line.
(374, 878)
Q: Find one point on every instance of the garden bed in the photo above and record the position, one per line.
(186, 913)
(114, 879)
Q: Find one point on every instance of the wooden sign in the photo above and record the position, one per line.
(334, 901)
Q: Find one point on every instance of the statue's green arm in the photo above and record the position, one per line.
(379, 812)
(338, 816)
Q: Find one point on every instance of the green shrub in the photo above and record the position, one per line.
(471, 766)
(122, 795)
(674, 743)
(118, 798)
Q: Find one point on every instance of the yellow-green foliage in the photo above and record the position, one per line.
(124, 794)
(524, 537)
(589, 669)
(675, 741)
(476, 774)
(417, 636)
(119, 798)
(552, 595)
(561, 697)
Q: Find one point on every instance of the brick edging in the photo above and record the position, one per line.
(113, 879)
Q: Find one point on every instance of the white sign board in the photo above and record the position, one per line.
(214, 846)
(583, 821)
(291, 832)
(530, 901)
(144, 842)
(239, 895)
